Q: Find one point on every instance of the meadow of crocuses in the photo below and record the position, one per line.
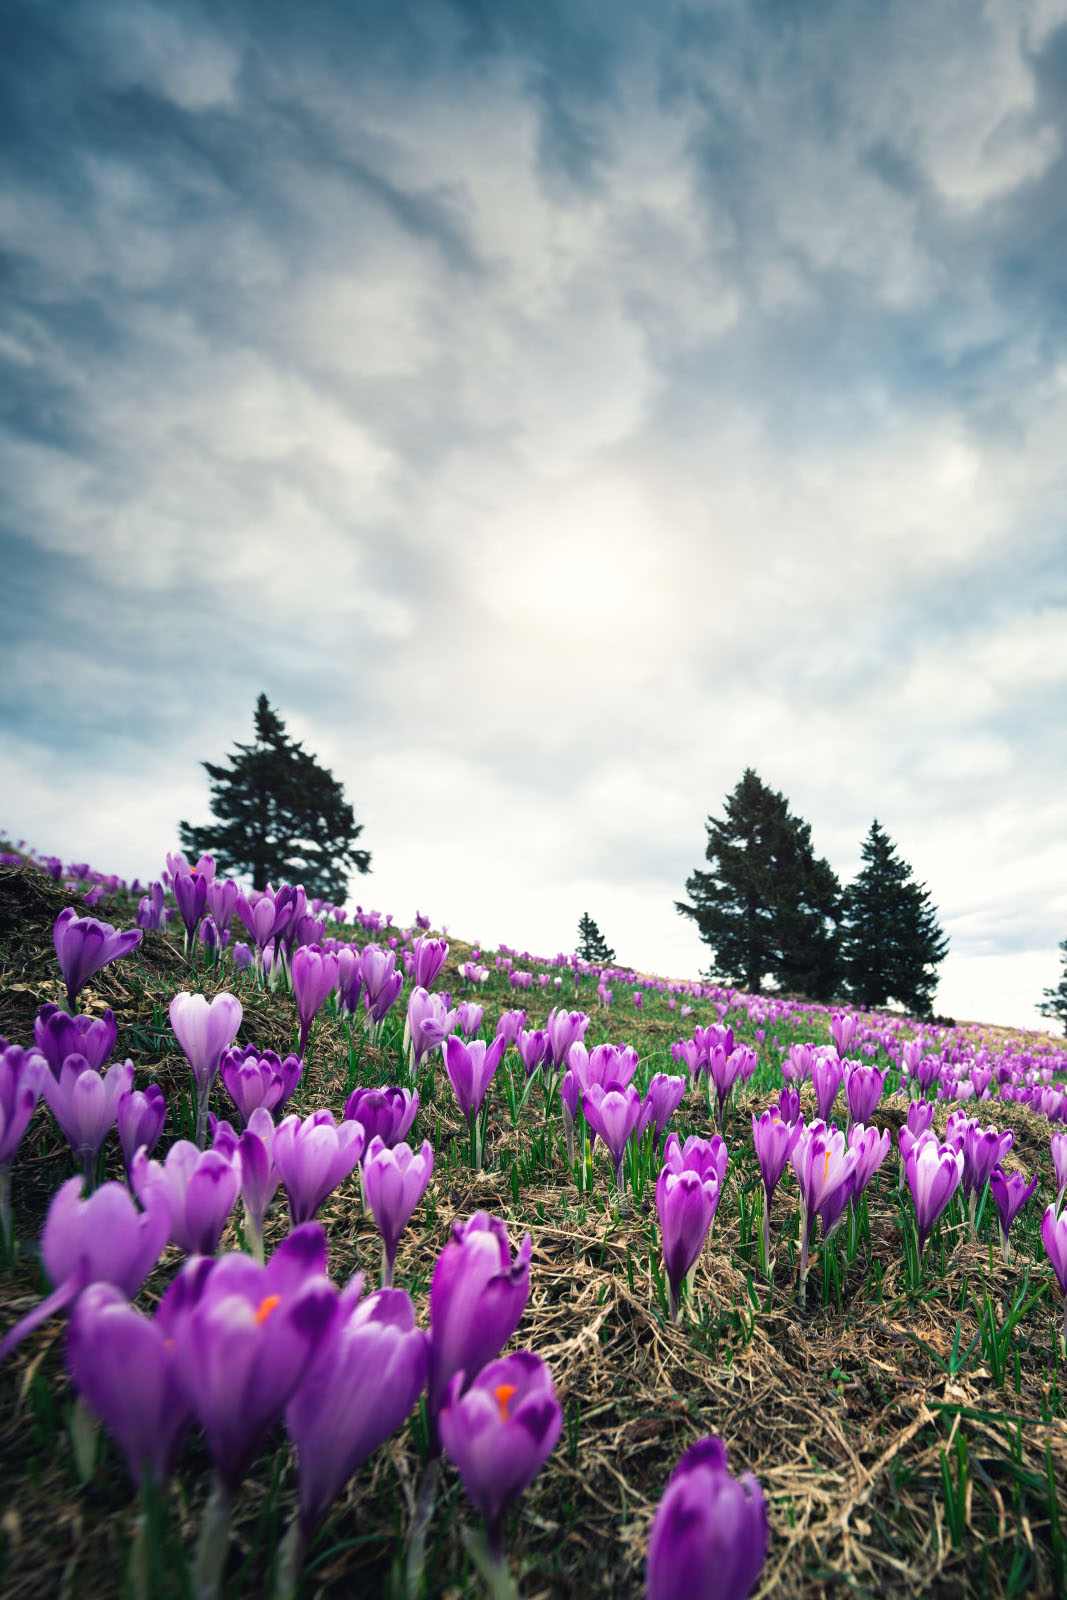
(348, 1258)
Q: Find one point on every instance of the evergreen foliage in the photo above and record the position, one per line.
(891, 940)
(282, 817)
(768, 906)
(1055, 1002)
(592, 946)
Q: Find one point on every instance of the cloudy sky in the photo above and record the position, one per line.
(555, 407)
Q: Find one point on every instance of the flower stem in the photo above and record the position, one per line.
(420, 1527)
(212, 1545)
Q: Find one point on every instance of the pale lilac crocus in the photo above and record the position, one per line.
(1010, 1192)
(85, 1103)
(871, 1146)
(253, 1152)
(313, 1157)
(200, 1188)
(101, 1239)
(204, 1030)
(349, 979)
(469, 1017)
(83, 946)
(510, 1025)
(710, 1533)
(499, 1431)
(934, 1172)
(314, 976)
(564, 1028)
(140, 1116)
(843, 1029)
(429, 1024)
(394, 1181)
(724, 1071)
(533, 1046)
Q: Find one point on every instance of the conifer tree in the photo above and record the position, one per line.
(891, 940)
(1055, 1001)
(282, 817)
(768, 906)
(592, 946)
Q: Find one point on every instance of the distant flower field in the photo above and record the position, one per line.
(343, 1258)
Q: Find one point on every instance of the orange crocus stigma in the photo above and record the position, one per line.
(265, 1307)
(502, 1394)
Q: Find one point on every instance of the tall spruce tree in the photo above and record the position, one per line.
(1055, 1002)
(891, 940)
(282, 817)
(592, 946)
(768, 906)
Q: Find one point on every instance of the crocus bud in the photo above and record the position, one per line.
(863, 1090)
(84, 945)
(774, 1141)
(477, 1297)
(470, 1069)
(84, 1103)
(934, 1172)
(710, 1534)
(190, 893)
(200, 1188)
(843, 1030)
(394, 1181)
(140, 1116)
(313, 1157)
(499, 1432)
(430, 956)
(685, 1204)
(613, 1113)
(665, 1095)
(58, 1035)
(366, 1375)
(1010, 1193)
(349, 979)
(123, 1366)
(826, 1075)
(314, 975)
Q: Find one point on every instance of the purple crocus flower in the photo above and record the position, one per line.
(429, 1023)
(259, 1176)
(564, 1028)
(378, 967)
(843, 1030)
(364, 1379)
(84, 945)
(774, 1140)
(983, 1149)
(510, 1025)
(190, 893)
(222, 897)
(665, 1094)
(470, 1069)
(499, 1432)
(430, 956)
(244, 1336)
(204, 1031)
(199, 1186)
(685, 1204)
(469, 1017)
(314, 975)
(871, 1147)
(102, 1239)
(58, 1035)
(84, 1103)
(789, 1103)
(22, 1078)
(798, 1063)
(920, 1116)
(394, 1181)
(724, 1071)
(254, 1078)
(863, 1090)
(349, 979)
(697, 1155)
(933, 1172)
(710, 1534)
(263, 919)
(386, 1114)
(1054, 1239)
(613, 1113)
(826, 1075)
(1010, 1193)
(140, 1116)
(1059, 1163)
(477, 1297)
(823, 1165)
(123, 1366)
(533, 1046)
(313, 1157)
